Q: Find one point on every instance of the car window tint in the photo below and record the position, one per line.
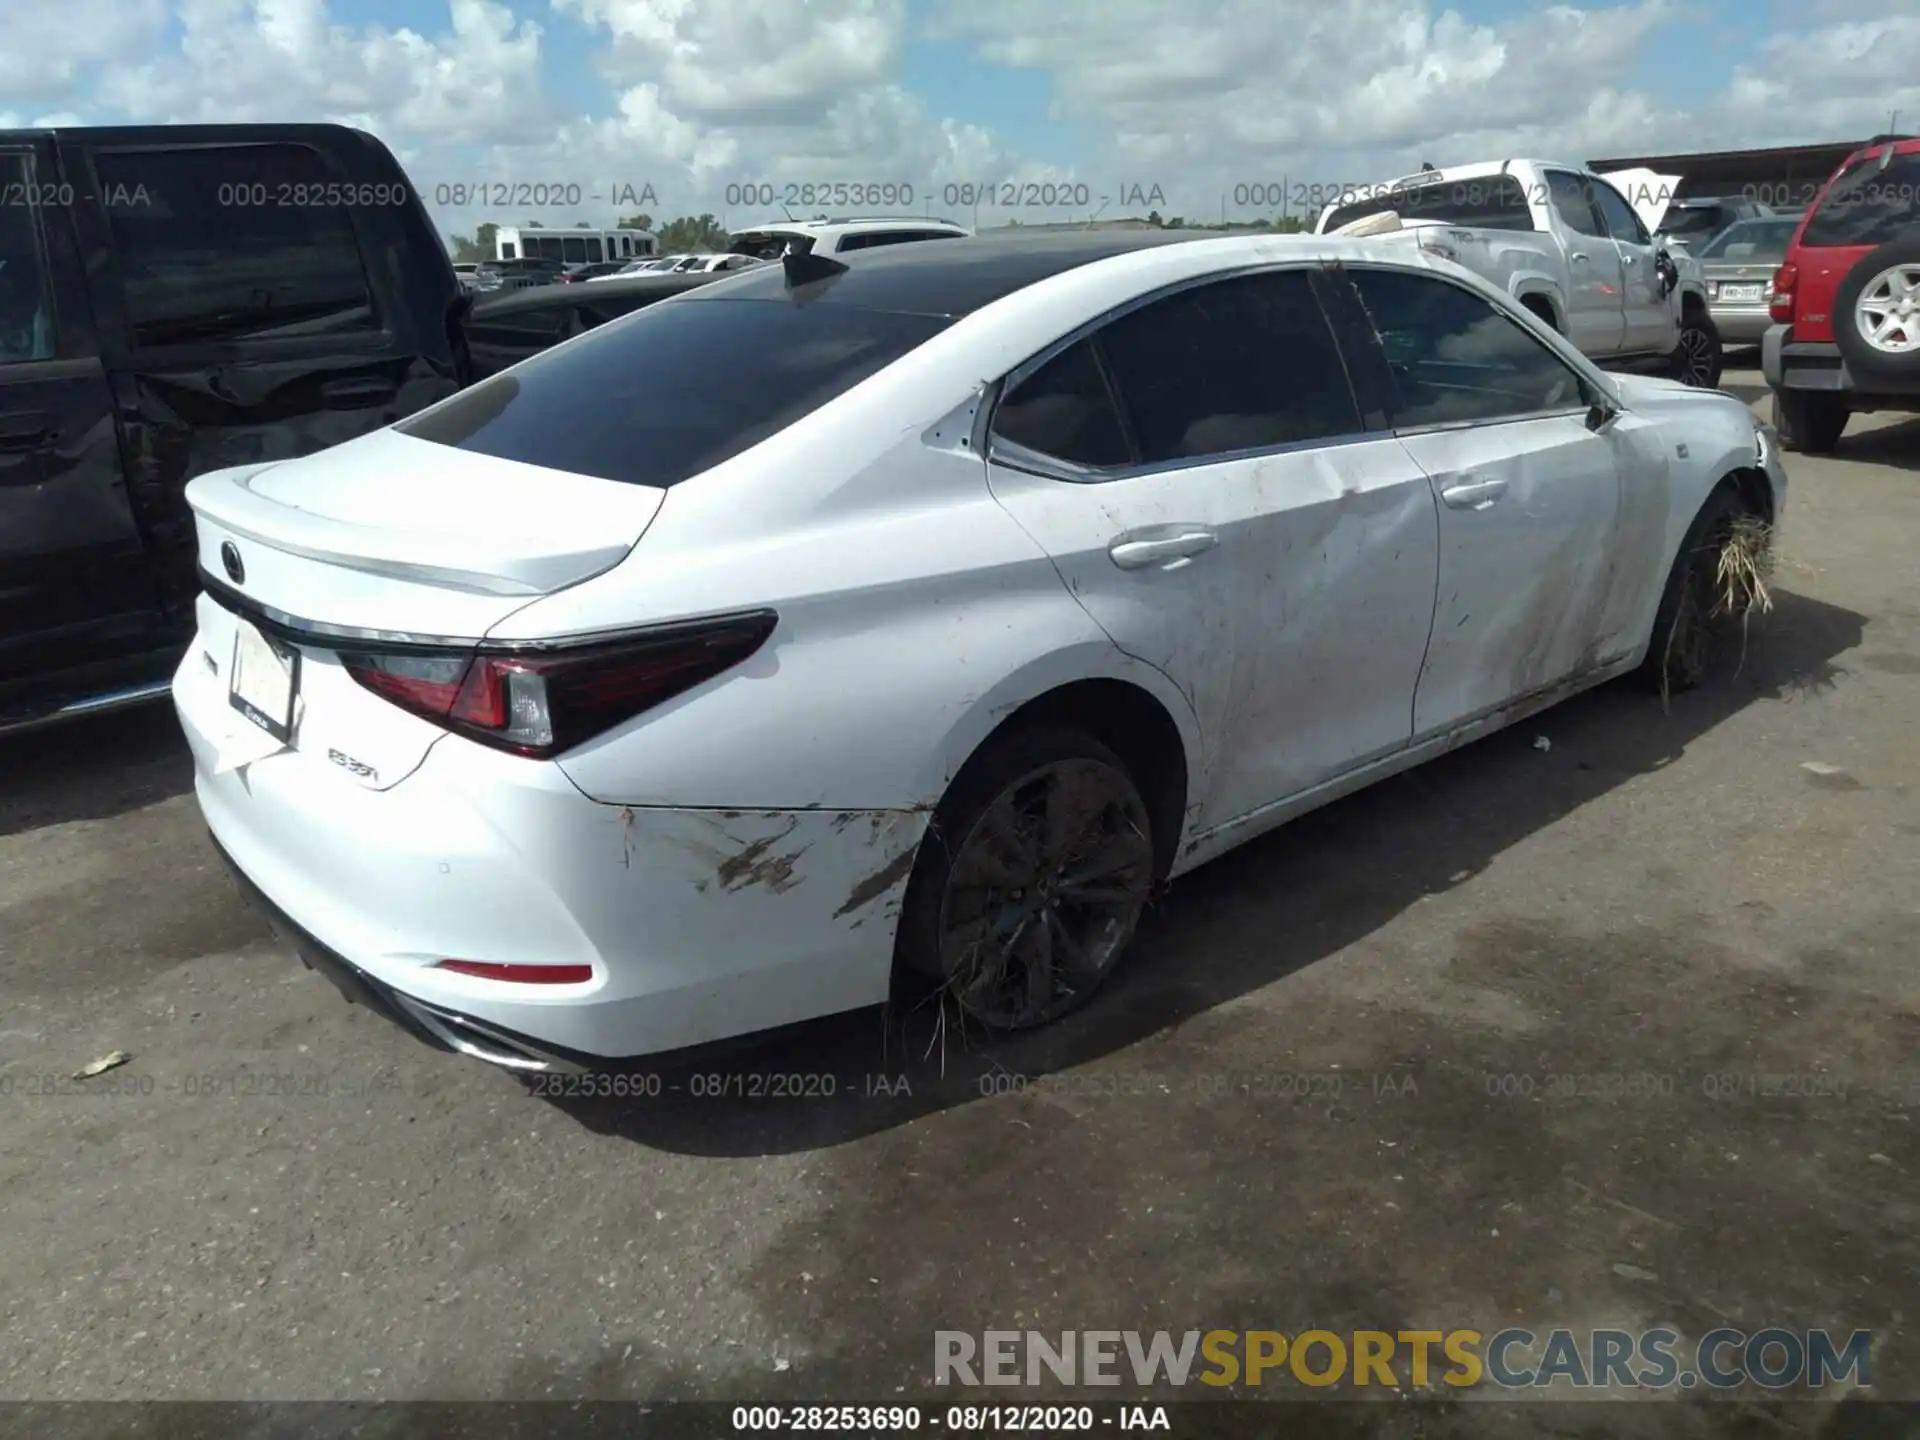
(1065, 410)
(26, 316)
(223, 243)
(1621, 221)
(1868, 205)
(1756, 241)
(1455, 357)
(636, 400)
(1239, 364)
(1572, 201)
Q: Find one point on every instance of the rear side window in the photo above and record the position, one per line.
(1487, 202)
(763, 246)
(1868, 205)
(1246, 363)
(1065, 410)
(660, 396)
(223, 243)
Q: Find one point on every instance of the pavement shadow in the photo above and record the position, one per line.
(1254, 916)
(1895, 446)
(93, 768)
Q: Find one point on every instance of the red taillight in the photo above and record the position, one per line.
(520, 974)
(540, 702)
(1780, 303)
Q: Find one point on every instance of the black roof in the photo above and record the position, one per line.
(539, 297)
(948, 277)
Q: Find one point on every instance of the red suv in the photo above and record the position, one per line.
(1847, 301)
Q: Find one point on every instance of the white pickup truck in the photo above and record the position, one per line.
(1566, 244)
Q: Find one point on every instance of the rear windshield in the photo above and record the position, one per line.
(655, 397)
(1695, 223)
(1868, 205)
(1755, 240)
(762, 246)
(1487, 202)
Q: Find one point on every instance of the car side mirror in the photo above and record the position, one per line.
(1599, 414)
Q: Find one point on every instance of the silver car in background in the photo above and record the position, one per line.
(1738, 266)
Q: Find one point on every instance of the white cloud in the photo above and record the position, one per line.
(49, 49)
(240, 60)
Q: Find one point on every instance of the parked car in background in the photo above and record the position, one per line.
(1738, 265)
(152, 329)
(507, 329)
(1846, 300)
(465, 271)
(1563, 242)
(713, 264)
(593, 270)
(839, 236)
(493, 276)
(1692, 223)
(857, 627)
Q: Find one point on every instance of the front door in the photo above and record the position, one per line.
(1596, 315)
(1529, 497)
(1650, 313)
(1199, 471)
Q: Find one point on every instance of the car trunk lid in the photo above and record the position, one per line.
(388, 539)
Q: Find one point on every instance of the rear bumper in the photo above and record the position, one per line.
(1741, 324)
(699, 925)
(1810, 365)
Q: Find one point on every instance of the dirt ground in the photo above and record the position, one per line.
(1711, 898)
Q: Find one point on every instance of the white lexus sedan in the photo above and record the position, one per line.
(600, 710)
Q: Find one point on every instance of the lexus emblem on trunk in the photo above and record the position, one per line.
(230, 558)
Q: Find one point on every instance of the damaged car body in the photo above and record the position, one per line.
(1011, 589)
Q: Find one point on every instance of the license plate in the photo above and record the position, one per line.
(1739, 292)
(264, 679)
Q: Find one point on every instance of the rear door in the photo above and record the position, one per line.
(1532, 526)
(252, 304)
(1596, 306)
(75, 586)
(1651, 317)
(1201, 473)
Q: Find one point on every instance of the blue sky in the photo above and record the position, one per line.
(1199, 96)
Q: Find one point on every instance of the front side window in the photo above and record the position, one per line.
(1572, 201)
(213, 246)
(1455, 358)
(26, 315)
(1868, 205)
(635, 400)
(1619, 216)
(1246, 363)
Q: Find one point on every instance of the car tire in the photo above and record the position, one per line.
(1681, 650)
(1001, 915)
(1810, 421)
(1865, 359)
(1697, 359)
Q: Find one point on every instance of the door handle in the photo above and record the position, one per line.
(349, 394)
(1167, 546)
(1473, 494)
(1578, 256)
(25, 430)
(1625, 258)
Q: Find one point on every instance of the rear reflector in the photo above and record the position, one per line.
(541, 701)
(520, 974)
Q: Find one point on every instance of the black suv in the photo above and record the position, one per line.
(175, 300)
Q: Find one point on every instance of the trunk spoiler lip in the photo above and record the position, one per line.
(296, 630)
(469, 564)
